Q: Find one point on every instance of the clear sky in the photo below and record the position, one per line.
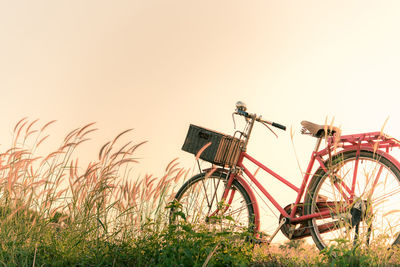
(157, 66)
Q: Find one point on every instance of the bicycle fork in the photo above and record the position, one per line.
(225, 201)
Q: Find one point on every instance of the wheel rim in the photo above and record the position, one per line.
(377, 191)
(202, 205)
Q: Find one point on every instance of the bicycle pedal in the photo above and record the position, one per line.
(258, 241)
(261, 238)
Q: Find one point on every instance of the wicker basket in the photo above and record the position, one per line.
(221, 149)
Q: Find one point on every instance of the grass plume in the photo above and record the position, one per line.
(51, 199)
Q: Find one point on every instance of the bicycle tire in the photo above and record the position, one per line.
(207, 189)
(376, 200)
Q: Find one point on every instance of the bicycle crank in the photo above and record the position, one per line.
(298, 230)
(295, 230)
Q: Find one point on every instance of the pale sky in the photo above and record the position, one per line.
(157, 66)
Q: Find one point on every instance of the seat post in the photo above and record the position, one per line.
(317, 144)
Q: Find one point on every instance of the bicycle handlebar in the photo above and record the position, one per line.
(254, 116)
(280, 126)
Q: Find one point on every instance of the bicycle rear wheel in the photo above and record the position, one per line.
(370, 214)
(201, 200)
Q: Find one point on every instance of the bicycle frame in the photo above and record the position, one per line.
(351, 176)
(376, 142)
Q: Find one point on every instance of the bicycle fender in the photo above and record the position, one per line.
(253, 200)
(376, 151)
(361, 148)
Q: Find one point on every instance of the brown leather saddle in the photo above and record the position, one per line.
(319, 131)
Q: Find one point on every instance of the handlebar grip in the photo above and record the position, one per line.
(277, 125)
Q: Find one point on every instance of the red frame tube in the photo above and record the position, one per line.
(358, 142)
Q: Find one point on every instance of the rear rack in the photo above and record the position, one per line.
(376, 140)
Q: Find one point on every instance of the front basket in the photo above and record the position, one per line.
(223, 150)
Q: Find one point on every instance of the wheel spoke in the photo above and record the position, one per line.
(353, 185)
(201, 198)
(215, 195)
(376, 180)
(206, 196)
(372, 206)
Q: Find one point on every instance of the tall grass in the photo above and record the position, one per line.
(56, 212)
(52, 210)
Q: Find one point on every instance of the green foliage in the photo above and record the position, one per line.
(175, 245)
(344, 253)
(180, 245)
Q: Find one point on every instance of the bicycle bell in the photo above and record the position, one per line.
(241, 106)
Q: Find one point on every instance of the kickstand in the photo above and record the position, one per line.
(283, 221)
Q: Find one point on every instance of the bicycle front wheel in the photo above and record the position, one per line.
(202, 202)
(362, 194)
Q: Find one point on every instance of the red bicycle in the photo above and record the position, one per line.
(353, 194)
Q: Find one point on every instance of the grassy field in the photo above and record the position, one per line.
(57, 213)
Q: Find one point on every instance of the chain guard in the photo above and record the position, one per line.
(299, 230)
